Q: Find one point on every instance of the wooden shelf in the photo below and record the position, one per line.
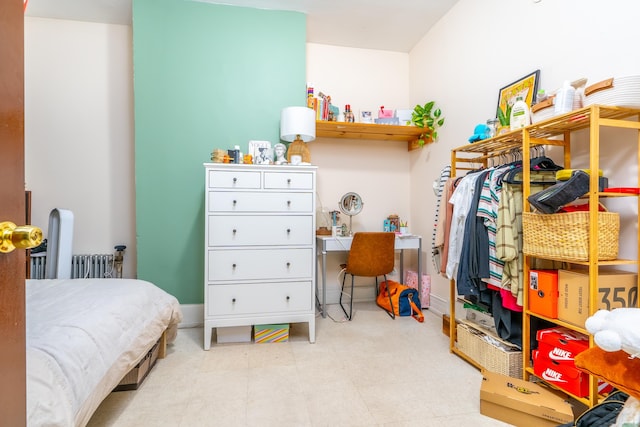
(409, 134)
(555, 131)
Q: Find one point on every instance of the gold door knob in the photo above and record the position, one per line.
(18, 237)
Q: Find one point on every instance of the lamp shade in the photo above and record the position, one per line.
(298, 122)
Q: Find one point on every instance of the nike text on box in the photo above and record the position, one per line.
(561, 344)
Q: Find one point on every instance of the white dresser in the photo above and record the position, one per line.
(259, 246)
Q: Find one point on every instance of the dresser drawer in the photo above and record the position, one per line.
(254, 264)
(255, 230)
(234, 179)
(288, 180)
(257, 298)
(250, 201)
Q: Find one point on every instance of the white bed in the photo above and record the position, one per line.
(83, 336)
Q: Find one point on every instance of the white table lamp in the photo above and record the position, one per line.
(298, 126)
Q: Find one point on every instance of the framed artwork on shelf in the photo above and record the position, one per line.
(526, 87)
(366, 116)
(261, 152)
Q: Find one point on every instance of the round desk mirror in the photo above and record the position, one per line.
(350, 204)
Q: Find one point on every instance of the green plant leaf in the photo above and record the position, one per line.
(428, 106)
(428, 118)
(501, 117)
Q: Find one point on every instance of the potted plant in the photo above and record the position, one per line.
(429, 117)
(505, 118)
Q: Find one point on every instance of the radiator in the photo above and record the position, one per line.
(82, 266)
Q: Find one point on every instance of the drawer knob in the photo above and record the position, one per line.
(289, 181)
(288, 202)
(288, 264)
(235, 180)
(233, 265)
(288, 230)
(288, 297)
(234, 202)
(234, 231)
(233, 300)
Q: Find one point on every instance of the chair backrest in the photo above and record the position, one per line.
(371, 254)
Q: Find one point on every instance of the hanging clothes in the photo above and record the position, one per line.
(509, 232)
(474, 255)
(461, 201)
(444, 225)
(488, 210)
(436, 242)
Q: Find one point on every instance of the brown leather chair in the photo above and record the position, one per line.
(372, 254)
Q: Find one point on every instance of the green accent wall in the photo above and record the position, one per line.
(205, 76)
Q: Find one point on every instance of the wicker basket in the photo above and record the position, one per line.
(473, 342)
(543, 110)
(565, 236)
(618, 91)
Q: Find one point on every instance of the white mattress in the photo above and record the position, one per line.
(83, 336)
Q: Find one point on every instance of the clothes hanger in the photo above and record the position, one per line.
(542, 162)
(538, 164)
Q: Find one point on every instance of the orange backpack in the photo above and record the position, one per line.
(405, 300)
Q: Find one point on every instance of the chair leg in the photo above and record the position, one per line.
(391, 314)
(351, 299)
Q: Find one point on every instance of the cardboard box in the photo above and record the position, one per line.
(136, 376)
(561, 344)
(271, 333)
(543, 292)
(232, 334)
(522, 403)
(481, 319)
(615, 289)
(446, 324)
(564, 376)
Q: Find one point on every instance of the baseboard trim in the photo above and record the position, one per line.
(438, 305)
(192, 315)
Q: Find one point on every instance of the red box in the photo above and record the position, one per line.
(543, 292)
(561, 344)
(564, 376)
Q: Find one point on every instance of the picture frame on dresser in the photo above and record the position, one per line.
(261, 152)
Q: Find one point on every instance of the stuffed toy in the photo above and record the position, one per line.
(616, 359)
(616, 330)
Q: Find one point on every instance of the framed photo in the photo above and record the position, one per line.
(261, 152)
(526, 87)
(366, 116)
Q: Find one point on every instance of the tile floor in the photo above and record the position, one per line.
(372, 371)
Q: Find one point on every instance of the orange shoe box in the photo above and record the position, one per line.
(543, 293)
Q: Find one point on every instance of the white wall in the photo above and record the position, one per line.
(377, 170)
(79, 131)
(479, 47)
(79, 120)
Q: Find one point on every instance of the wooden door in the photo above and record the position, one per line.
(12, 208)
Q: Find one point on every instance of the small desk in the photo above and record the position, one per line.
(326, 244)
